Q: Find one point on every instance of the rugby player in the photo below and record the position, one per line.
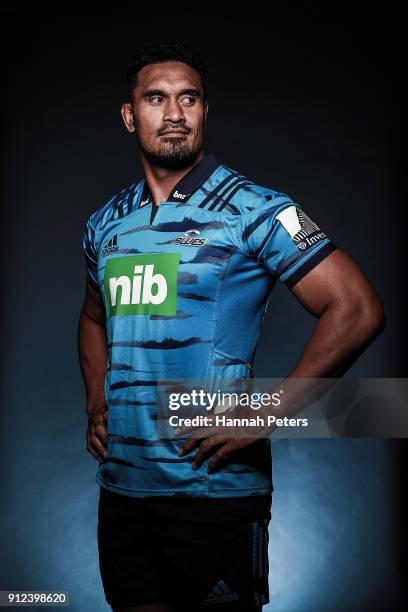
(180, 266)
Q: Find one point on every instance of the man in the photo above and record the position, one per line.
(180, 267)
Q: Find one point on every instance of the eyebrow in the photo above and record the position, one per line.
(160, 92)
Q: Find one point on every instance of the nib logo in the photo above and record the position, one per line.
(142, 284)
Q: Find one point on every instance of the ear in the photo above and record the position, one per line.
(127, 116)
(205, 111)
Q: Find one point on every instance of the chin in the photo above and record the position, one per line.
(175, 155)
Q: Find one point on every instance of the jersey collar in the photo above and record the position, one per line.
(188, 184)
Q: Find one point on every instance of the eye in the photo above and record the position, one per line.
(156, 100)
(188, 100)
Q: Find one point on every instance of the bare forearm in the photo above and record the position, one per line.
(92, 347)
(339, 337)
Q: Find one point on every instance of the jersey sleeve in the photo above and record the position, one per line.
(284, 239)
(90, 254)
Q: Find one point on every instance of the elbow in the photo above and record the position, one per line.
(370, 317)
(381, 321)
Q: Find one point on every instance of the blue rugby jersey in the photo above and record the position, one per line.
(185, 287)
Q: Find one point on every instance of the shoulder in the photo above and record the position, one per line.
(116, 207)
(242, 195)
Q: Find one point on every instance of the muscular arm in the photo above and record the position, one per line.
(350, 316)
(92, 347)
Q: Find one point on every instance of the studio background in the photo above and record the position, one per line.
(310, 110)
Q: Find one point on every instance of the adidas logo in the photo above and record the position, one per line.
(111, 246)
(221, 593)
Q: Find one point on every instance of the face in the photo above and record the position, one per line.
(167, 114)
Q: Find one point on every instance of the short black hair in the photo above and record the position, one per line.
(165, 51)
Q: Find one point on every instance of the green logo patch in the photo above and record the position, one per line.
(142, 284)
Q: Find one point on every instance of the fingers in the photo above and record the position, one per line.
(199, 434)
(97, 437)
(207, 447)
(188, 446)
(92, 448)
(218, 455)
(210, 434)
(101, 433)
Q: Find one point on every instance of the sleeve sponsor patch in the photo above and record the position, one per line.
(303, 231)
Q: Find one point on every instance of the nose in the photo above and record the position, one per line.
(173, 112)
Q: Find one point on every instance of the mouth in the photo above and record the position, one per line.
(178, 132)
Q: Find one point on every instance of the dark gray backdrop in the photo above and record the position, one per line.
(311, 109)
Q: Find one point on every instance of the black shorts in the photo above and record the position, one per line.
(194, 553)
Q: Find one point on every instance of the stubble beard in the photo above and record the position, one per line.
(172, 153)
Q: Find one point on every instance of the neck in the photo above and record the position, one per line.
(161, 181)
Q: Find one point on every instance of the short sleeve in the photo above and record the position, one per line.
(284, 239)
(91, 257)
